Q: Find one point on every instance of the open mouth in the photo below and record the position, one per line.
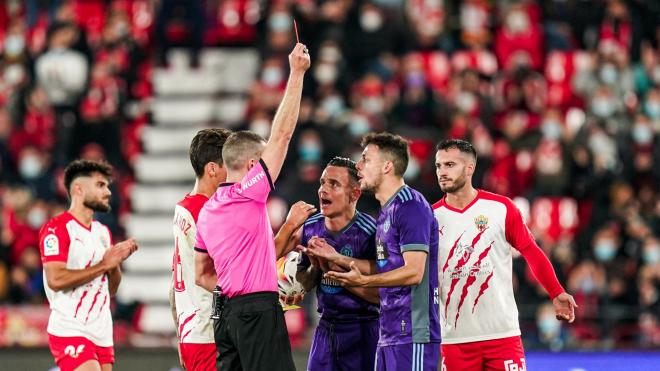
(325, 202)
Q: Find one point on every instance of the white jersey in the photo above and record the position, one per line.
(193, 303)
(475, 265)
(84, 310)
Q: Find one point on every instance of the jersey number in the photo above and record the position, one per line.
(179, 285)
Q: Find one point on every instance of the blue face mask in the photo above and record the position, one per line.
(280, 21)
(605, 250)
(642, 134)
(548, 326)
(652, 109)
(551, 129)
(310, 152)
(651, 256)
(358, 126)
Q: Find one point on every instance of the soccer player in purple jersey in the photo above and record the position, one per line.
(406, 260)
(347, 334)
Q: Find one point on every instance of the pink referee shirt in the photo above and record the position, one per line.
(234, 229)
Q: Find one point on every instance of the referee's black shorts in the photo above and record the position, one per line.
(251, 335)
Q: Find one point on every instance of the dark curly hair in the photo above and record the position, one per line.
(79, 168)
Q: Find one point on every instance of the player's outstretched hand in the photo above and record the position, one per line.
(351, 278)
(564, 307)
(299, 59)
(299, 212)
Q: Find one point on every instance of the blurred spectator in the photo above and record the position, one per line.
(181, 19)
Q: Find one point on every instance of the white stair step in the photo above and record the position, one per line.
(231, 111)
(157, 319)
(153, 168)
(187, 111)
(158, 139)
(157, 199)
(144, 288)
(149, 229)
(150, 259)
(181, 82)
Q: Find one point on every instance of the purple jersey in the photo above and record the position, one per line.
(409, 314)
(355, 240)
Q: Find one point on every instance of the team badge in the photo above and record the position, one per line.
(346, 251)
(481, 222)
(386, 225)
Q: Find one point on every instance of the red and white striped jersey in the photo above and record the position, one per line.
(84, 310)
(475, 267)
(193, 303)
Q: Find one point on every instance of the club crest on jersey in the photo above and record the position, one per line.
(386, 225)
(347, 251)
(381, 254)
(104, 241)
(481, 222)
(74, 352)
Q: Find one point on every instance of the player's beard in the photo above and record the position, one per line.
(373, 186)
(456, 184)
(97, 205)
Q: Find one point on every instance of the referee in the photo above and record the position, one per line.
(235, 246)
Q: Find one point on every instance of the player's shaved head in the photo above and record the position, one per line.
(462, 146)
(240, 147)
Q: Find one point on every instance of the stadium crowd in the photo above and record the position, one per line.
(561, 100)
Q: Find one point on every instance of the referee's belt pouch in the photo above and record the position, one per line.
(219, 301)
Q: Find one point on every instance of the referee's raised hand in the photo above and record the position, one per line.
(299, 60)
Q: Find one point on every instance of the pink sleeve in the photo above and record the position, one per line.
(199, 242)
(256, 184)
(519, 236)
(54, 243)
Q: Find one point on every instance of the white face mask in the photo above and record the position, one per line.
(371, 20)
(14, 45)
(36, 218)
(642, 134)
(325, 73)
(280, 21)
(272, 76)
(609, 74)
(373, 105)
(358, 126)
(30, 167)
(551, 129)
(261, 127)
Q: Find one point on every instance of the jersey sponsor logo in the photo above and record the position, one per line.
(255, 179)
(73, 351)
(481, 222)
(51, 245)
(330, 286)
(511, 365)
(381, 253)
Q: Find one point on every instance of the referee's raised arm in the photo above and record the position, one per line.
(287, 114)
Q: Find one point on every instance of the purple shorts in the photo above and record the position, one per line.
(408, 357)
(344, 346)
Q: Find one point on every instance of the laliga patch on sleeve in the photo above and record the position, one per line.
(51, 245)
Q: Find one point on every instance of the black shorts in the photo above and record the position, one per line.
(251, 335)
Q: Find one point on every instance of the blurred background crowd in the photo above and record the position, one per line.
(561, 99)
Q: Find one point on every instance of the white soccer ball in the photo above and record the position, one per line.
(287, 266)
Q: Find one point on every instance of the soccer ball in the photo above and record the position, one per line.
(287, 267)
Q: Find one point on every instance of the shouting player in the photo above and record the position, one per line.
(406, 259)
(347, 334)
(191, 304)
(82, 272)
(477, 231)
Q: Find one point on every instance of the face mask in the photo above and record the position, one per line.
(333, 105)
(280, 21)
(30, 167)
(14, 45)
(122, 29)
(609, 74)
(548, 326)
(14, 74)
(652, 109)
(325, 73)
(587, 285)
(602, 107)
(642, 134)
(36, 218)
(261, 127)
(329, 54)
(373, 105)
(466, 102)
(517, 22)
(415, 79)
(605, 250)
(310, 152)
(651, 256)
(271, 76)
(358, 126)
(551, 129)
(371, 20)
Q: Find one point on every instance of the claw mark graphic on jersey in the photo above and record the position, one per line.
(455, 275)
(475, 271)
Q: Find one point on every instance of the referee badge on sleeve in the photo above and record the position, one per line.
(51, 245)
